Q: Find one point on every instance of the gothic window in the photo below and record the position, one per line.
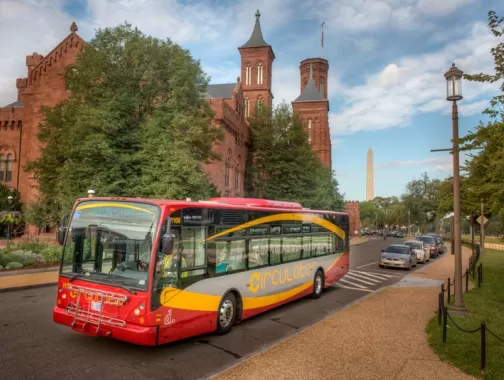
(309, 131)
(227, 173)
(8, 171)
(260, 73)
(237, 176)
(247, 107)
(248, 74)
(259, 104)
(70, 74)
(2, 168)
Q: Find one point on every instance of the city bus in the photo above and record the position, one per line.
(150, 272)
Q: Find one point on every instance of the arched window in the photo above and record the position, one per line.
(70, 74)
(2, 168)
(259, 73)
(248, 74)
(309, 130)
(237, 176)
(259, 104)
(228, 168)
(8, 171)
(247, 107)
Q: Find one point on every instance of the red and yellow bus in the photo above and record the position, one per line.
(151, 272)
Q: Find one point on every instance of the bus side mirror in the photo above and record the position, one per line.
(167, 244)
(62, 230)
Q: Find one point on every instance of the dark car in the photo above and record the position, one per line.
(431, 243)
(439, 239)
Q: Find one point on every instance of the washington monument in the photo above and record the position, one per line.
(370, 176)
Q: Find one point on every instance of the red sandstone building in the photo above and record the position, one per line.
(233, 103)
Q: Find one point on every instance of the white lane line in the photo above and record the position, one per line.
(362, 266)
(349, 287)
(367, 278)
(381, 277)
(351, 283)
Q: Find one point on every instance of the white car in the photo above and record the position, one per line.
(420, 250)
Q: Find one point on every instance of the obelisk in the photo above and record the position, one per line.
(370, 176)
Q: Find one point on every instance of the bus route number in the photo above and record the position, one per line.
(175, 219)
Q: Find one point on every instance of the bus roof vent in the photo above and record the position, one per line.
(256, 202)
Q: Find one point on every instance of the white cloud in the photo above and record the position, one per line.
(361, 15)
(44, 25)
(438, 164)
(412, 85)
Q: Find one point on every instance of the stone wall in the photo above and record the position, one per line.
(352, 208)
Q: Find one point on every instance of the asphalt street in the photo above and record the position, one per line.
(33, 347)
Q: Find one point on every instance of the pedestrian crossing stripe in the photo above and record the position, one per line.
(362, 281)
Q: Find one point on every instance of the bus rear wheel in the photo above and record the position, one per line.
(318, 284)
(226, 315)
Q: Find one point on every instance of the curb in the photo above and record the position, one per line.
(360, 243)
(26, 287)
(29, 271)
(267, 346)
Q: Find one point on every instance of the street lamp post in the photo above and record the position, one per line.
(453, 94)
(91, 193)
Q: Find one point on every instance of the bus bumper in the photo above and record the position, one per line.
(131, 333)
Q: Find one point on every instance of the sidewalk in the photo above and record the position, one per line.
(20, 280)
(381, 337)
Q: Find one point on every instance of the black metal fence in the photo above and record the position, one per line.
(444, 315)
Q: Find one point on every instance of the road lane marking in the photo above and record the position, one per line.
(377, 274)
(351, 283)
(362, 266)
(382, 277)
(350, 276)
(349, 287)
(367, 278)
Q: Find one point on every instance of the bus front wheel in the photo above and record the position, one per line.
(318, 284)
(226, 315)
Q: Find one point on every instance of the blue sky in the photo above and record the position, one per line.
(387, 59)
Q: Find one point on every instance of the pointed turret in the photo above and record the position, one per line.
(310, 92)
(256, 39)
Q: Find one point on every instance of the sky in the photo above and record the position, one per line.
(386, 64)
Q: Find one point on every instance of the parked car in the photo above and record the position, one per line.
(431, 243)
(439, 239)
(398, 256)
(420, 250)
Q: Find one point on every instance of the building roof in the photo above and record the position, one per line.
(17, 103)
(223, 91)
(310, 92)
(256, 39)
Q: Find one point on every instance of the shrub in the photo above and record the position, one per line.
(31, 252)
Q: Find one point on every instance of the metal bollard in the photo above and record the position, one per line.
(440, 308)
(483, 345)
(445, 323)
(479, 276)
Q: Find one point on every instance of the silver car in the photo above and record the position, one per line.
(399, 256)
(421, 251)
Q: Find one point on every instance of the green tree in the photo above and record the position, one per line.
(420, 200)
(485, 168)
(284, 164)
(134, 125)
(368, 214)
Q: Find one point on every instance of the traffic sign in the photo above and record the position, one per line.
(484, 220)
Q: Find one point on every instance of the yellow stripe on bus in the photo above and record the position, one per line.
(112, 204)
(287, 216)
(186, 300)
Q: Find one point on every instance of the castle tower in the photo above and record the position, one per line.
(370, 176)
(257, 58)
(312, 105)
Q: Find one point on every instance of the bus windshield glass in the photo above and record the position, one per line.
(111, 242)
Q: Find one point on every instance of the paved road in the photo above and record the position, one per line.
(33, 347)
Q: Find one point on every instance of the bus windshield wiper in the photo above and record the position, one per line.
(75, 276)
(122, 286)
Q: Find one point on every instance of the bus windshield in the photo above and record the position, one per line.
(111, 242)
